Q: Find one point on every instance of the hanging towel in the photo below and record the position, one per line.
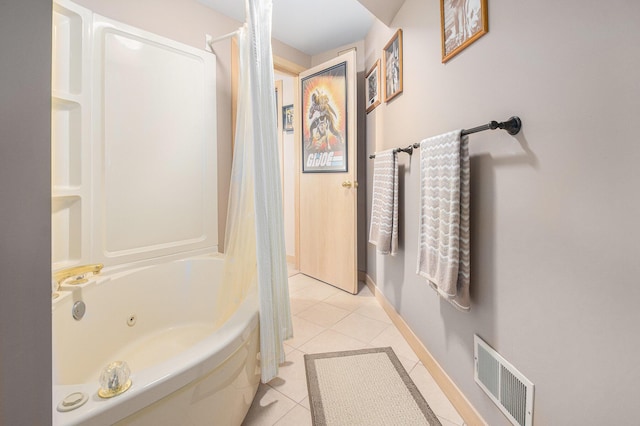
(443, 252)
(383, 232)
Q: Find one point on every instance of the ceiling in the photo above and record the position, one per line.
(311, 26)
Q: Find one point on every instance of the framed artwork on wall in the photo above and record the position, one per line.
(287, 118)
(373, 86)
(324, 120)
(462, 22)
(392, 66)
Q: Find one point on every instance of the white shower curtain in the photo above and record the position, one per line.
(255, 249)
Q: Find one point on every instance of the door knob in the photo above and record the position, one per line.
(349, 184)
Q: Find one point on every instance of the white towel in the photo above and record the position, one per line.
(383, 232)
(443, 252)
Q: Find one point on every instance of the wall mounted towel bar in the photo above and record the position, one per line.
(512, 126)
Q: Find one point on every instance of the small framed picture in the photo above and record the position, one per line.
(462, 22)
(392, 65)
(287, 118)
(373, 86)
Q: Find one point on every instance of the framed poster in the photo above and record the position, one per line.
(324, 120)
(373, 86)
(287, 118)
(392, 57)
(462, 22)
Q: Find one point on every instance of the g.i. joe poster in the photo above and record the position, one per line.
(324, 120)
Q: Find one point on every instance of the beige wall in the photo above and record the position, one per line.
(290, 54)
(555, 210)
(325, 56)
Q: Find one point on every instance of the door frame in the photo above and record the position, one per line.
(292, 69)
(289, 68)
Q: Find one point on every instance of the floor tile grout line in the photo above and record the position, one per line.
(345, 335)
(284, 396)
(353, 337)
(419, 363)
(292, 408)
(449, 420)
(359, 304)
(309, 339)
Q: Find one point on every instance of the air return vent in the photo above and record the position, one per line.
(506, 386)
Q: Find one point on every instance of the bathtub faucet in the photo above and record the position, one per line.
(78, 273)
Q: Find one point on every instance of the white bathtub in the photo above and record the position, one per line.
(188, 365)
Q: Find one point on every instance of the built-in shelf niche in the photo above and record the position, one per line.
(66, 150)
(70, 124)
(66, 214)
(67, 44)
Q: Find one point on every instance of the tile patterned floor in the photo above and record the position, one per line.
(326, 319)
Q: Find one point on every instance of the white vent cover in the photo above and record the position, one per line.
(506, 386)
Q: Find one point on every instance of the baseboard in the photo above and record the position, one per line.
(457, 398)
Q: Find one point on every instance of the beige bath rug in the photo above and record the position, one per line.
(364, 387)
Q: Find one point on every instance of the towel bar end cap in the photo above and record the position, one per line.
(513, 125)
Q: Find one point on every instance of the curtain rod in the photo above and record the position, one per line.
(512, 126)
(223, 37)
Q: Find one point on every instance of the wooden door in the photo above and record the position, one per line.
(328, 196)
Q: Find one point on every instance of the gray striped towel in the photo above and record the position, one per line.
(383, 232)
(443, 252)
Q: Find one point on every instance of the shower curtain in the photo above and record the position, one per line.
(255, 249)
